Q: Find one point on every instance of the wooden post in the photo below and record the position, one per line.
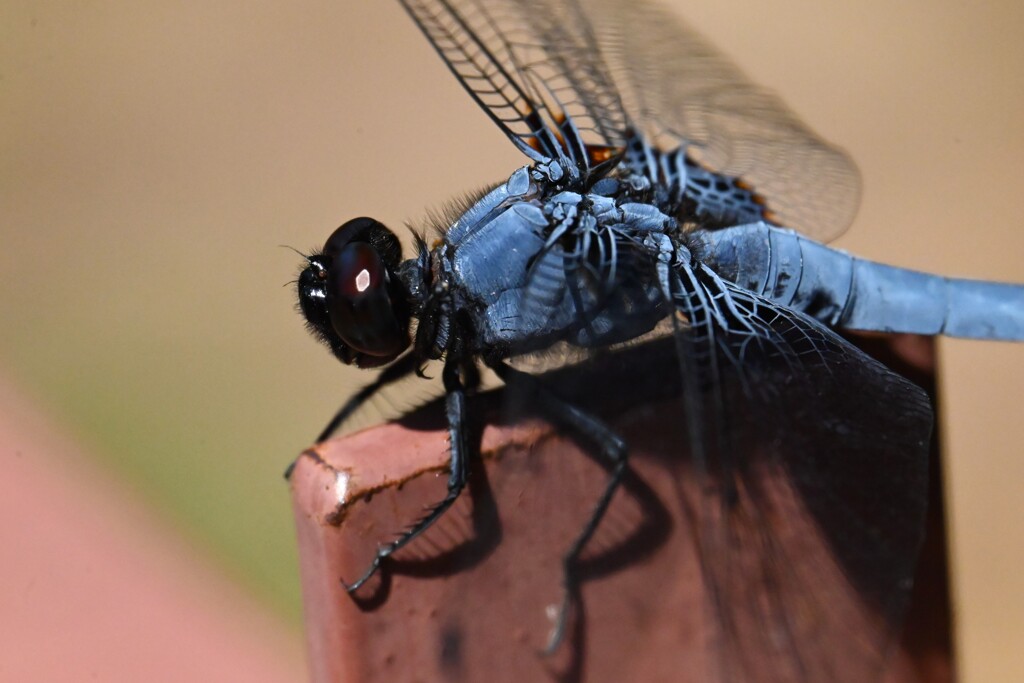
(473, 599)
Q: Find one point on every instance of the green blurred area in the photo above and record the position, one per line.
(202, 460)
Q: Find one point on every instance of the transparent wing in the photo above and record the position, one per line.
(680, 91)
(800, 461)
(531, 67)
(545, 70)
(810, 462)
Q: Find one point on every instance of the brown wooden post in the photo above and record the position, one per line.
(473, 599)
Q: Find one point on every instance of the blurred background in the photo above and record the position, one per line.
(156, 379)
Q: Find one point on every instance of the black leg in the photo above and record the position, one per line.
(455, 410)
(403, 367)
(612, 450)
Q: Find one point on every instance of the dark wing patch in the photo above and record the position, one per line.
(810, 491)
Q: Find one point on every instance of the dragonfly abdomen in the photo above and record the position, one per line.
(847, 292)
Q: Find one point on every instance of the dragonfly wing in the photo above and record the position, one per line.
(680, 90)
(800, 465)
(811, 487)
(571, 77)
(532, 71)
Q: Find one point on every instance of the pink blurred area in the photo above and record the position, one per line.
(95, 588)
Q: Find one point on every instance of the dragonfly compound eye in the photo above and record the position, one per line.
(359, 302)
(367, 230)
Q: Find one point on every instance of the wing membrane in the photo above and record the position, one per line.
(811, 460)
(539, 66)
(681, 90)
(801, 464)
(534, 74)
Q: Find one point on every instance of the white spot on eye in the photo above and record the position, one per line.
(363, 280)
(341, 480)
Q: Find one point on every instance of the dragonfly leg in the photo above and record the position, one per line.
(613, 452)
(403, 367)
(458, 463)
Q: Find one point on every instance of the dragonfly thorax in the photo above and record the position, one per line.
(530, 265)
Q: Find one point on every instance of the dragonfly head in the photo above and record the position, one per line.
(351, 298)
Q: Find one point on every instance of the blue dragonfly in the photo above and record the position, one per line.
(667, 203)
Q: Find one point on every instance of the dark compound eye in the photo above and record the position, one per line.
(366, 230)
(359, 300)
(351, 298)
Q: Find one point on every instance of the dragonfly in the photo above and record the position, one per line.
(667, 201)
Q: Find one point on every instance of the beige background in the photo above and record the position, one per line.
(153, 156)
